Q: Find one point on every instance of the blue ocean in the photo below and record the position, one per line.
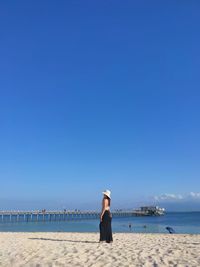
(181, 222)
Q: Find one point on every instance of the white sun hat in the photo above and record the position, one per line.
(107, 193)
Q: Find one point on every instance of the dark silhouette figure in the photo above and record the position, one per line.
(170, 230)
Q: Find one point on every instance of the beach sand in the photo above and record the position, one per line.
(83, 249)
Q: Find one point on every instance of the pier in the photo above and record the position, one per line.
(48, 216)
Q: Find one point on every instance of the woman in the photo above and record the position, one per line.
(106, 218)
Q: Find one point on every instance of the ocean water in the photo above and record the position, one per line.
(181, 222)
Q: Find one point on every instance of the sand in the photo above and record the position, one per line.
(83, 249)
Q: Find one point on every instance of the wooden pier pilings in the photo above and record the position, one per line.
(44, 216)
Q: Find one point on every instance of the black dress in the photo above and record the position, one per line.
(105, 227)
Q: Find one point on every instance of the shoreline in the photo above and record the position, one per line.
(97, 232)
(84, 249)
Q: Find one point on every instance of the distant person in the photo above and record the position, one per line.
(130, 226)
(170, 230)
(105, 219)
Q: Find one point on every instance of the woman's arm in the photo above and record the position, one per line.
(104, 206)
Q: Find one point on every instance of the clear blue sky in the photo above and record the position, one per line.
(96, 95)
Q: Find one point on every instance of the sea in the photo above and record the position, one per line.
(181, 222)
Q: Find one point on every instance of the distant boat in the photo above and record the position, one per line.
(150, 211)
